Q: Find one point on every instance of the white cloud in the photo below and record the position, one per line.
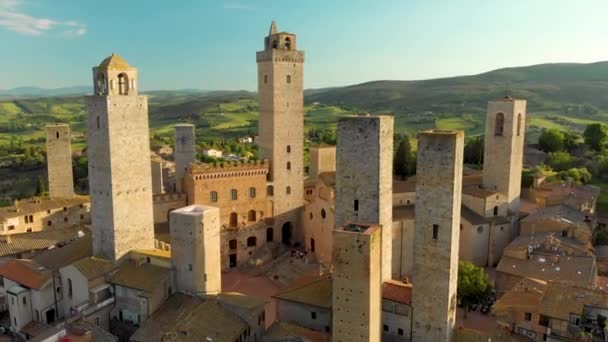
(14, 20)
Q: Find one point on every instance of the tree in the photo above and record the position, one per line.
(404, 161)
(577, 174)
(473, 151)
(572, 140)
(551, 140)
(41, 187)
(560, 161)
(596, 136)
(472, 283)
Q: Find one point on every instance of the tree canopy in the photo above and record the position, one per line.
(551, 140)
(404, 161)
(472, 282)
(596, 136)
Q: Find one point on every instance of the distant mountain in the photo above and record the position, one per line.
(31, 92)
(545, 86)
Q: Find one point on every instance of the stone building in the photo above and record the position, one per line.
(59, 161)
(44, 213)
(504, 149)
(436, 235)
(195, 253)
(281, 128)
(120, 179)
(184, 153)
(245, 201)
(156, 165)
(357, 283)
(364, 185)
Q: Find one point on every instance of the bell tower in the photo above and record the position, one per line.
(120, 181)
(281, 127)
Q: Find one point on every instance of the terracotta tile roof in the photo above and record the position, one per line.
(94, 267)
(403, 212)
(557, 212)
(472, 217)
(184, 318)
(98, 334)
(34, 328)
(474, 179)
(68, 253)
(114, 62)
(26, 242)
(397, 292)
(241, 300)
(284, 331)
(471, 335)
(477, 191)
(553, 303)
(519, 298)
(315, 292)
(145, 277)
(328, 178)
(573, 270)
(25, 272)
(550, 242)
(37, 204)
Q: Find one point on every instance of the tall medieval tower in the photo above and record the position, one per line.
(184, 152)
(59, 161)
(195, 249)
(364, 178)
(281, 127)
(120, 181)
(504, 149)
(437, 234)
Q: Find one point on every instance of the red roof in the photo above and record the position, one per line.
(25, 272)
(397, 292)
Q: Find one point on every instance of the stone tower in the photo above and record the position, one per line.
(364, 178)
(59, 161)
(436, 234)
(281, 127)
(120, 183)
(195, 249)
(504, 149)
(184, 153)
(357, 283)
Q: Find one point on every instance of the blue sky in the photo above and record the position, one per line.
(211, 44)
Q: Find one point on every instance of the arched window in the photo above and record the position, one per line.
(232, 244)
(288, 148)
(499, 125)
(251, 216)
(288, 190)
(233, 194)
(98, 122)
(288, 165)
(252, 241)
(288, 78)
(123, 84)
(252, 192)
(57, 134)
(323, 213)
(234, 219)
(213, 196)
(101, 84)
(495, 211)
(275, 44)
(288, 43)
(269, 190)
(265, 79)
(519, 124)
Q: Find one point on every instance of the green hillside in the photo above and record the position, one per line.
(564, 96)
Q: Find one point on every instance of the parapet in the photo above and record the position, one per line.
(359, 228)
(441, 132)
(228, 169)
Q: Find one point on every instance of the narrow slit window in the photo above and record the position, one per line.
(435, 231)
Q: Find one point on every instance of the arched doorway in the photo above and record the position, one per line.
(286, 233)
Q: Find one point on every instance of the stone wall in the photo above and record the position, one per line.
(322, 159)
(318, 222)
(184, 152)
